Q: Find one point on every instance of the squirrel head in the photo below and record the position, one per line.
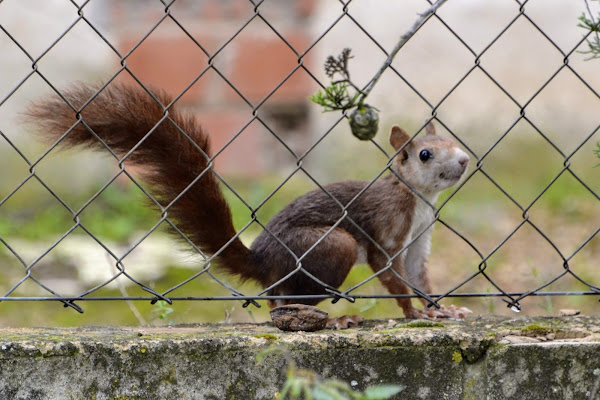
(429, 163)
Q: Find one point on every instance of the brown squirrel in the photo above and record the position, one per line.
(174, 153)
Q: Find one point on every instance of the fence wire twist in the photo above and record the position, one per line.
(511, 298)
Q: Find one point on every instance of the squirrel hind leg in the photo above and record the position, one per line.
(329, 262)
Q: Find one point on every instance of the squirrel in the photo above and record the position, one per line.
(174, 154)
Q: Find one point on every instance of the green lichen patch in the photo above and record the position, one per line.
(268, 336)
(456, 356)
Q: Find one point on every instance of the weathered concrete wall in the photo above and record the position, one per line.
(481, 358)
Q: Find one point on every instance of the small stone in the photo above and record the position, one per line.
(551, 336)
(299, 317)
(391, 323)
(568, 312)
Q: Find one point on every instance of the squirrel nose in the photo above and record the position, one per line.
(463, 161)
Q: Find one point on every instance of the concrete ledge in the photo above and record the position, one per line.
(480, 358)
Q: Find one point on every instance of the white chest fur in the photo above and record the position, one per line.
(423, 216)
(419, 238)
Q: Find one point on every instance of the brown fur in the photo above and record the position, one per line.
(301, 223)
(125, 117)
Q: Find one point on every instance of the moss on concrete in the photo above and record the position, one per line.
(534, 358)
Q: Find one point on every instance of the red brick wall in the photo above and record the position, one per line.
(255, 62)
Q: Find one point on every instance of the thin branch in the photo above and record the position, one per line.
(587, 5)
(403, 39)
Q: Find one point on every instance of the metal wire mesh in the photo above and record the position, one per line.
(257, 116)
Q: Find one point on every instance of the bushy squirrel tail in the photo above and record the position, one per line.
(171, 149)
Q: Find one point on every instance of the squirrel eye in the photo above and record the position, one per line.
(425, 155)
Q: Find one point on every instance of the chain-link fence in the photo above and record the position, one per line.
(556, 220)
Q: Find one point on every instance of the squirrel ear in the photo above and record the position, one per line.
(398, 137)
(430, 128)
